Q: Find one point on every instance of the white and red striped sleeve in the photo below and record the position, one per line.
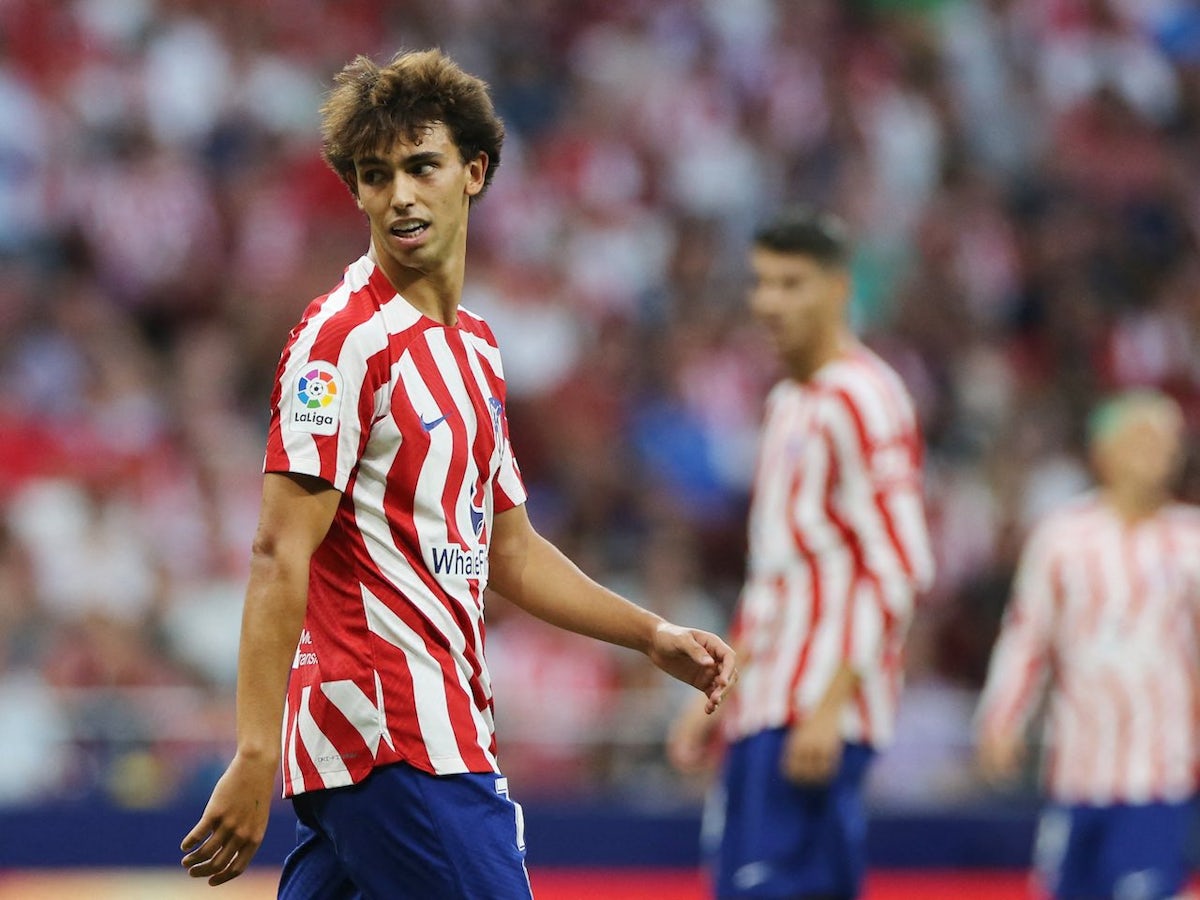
(326, 392)
(876, 501)
(1019, 670)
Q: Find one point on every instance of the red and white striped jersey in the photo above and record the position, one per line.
(838, 548)
(405, 417)
(1103, 615)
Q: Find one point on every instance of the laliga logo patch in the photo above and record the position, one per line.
(317, 399)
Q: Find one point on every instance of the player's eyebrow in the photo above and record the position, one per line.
(422, 156)
(425, 156)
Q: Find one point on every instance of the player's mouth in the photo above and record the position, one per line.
(409, 231)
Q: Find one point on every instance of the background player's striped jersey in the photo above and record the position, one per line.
(405, 416)
(1104, 613)
(838, 548)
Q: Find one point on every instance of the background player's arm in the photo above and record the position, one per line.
(880, 499)
(1019, 667)
(296, 513)
(533, 574)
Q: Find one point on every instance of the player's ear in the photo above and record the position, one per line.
(477, 173)
(350, 180)
(842, 284)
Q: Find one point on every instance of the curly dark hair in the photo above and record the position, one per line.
(370, 106)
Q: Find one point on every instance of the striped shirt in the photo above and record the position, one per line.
(404, 416)
(838, 548)
(1103, 615)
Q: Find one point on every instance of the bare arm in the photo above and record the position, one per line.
(1020, 669)
(296, 514)
(533, 574)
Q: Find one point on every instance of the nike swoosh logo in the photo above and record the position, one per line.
(429, 426)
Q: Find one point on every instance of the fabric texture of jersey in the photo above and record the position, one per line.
(404, 416)
(838, 549)
(1105, 614)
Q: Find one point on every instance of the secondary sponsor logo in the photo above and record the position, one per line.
(317, 399)
(453, 561)
(304, 653)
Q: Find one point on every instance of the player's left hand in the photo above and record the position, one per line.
(813, 749)
(697, 658)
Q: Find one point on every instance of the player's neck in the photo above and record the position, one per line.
(803, 368)
(435, 294)
(1132, 504)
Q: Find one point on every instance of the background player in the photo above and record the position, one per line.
(838, 548)
(1103, 616)
(391, 500)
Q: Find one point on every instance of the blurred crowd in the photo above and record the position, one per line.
(1022, 177)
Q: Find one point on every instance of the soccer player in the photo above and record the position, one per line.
(1103, 618)
(838, 549)
(391, 499)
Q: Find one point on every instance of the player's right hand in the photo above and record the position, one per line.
(1000, 756)
(695, 657)
(234, 823)
(812, 752)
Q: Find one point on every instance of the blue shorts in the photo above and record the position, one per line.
(781, 839)
(1137, 852)
(402, 833)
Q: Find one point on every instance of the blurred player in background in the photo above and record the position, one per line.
(391, 500)
(838, 549)
(1103, 616)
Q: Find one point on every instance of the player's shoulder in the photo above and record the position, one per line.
(474, 324)
(350, 304)
(1184, 517)
(863, 385)
(861, 370)
(1072, 520)
(362, 284)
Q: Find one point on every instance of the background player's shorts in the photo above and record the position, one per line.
(403, 834)
(1124, 852)
(780, 839)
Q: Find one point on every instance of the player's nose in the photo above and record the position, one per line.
(403, 192)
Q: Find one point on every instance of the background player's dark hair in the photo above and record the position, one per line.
(370, 106)
(806, 232)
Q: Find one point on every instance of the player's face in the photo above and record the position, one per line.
(799, 301)
(1144, 452)
(416, 195)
